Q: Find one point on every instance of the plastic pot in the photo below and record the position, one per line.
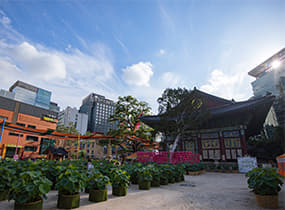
(98, 195)
(267, 201)
(4, 195)
(68, 201)
(119, 191)
(144, 185)
(37, 205)
(163, 181)
(155, 183)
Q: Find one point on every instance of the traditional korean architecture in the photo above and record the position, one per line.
(223, 135)
(54, 153)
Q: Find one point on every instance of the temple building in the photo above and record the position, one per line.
(224, 133)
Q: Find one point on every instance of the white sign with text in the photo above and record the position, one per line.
(245, 164)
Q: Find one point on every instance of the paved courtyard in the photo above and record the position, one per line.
(207, 191)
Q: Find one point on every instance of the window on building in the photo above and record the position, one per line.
(21, 124)
(88, 151)
(32, 138)
(15, 134)
(4, 118)
(88, 145)
(92, 152)
(93, 144)
(30, 148)
(31, 126)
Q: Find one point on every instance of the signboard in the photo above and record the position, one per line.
(246, 164)
(50, 119)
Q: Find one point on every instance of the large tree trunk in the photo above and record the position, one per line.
(175, 143)
(174, 147)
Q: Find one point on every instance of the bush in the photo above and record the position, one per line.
(264, 181)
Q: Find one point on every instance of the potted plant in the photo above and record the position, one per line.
(155, 173)
(96, 183)
(70, 181)
(120, 181)
(6, 175)
(163, 176)
(265, 183)
(28, 190)
(144, 178)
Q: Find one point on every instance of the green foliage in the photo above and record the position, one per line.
(6, 175)
(97, 181)
(127, 113)
(264, 181)
(71, 179)
(194, 167)
(119, 178)
(171, 98)
(144, 174)
(29, 186)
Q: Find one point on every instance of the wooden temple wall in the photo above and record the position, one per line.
(215, 144)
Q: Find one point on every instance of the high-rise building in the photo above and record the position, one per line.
(35, 96)
(71, 116)
(270, 78)
(99, 110)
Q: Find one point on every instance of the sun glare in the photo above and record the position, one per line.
(275, 64)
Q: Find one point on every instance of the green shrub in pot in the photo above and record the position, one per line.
(266, 184)
(96, 184)
(6, 175)
(70, 181)
(28, 190)
(120, 181)
(144, 178)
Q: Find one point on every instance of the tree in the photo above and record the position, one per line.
(181, 109)
(127, 113)
(70, 129)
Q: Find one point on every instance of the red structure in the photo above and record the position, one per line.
(168, 157)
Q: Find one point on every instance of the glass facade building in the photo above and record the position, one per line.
(99, 110)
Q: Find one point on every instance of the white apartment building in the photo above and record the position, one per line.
(72, 115)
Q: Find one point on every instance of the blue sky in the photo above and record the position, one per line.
(139, 48)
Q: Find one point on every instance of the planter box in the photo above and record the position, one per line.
(155, 183)
(267, 201)
(68, 201)
(98, 195)
(144, 185)
(4, 195)
(163, 181)
(196, 173)
(235, 171)
(119, 191)
(172, 180)
(33, 205)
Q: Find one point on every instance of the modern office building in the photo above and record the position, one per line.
(99, 110)
(270, 78)
(29, 116)
(29, 94)
(71, 116)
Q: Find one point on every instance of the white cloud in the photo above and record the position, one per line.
(171, 79)
(161, 51)
(138, 74)
(41, 65)
(70, 76)
(232, 85)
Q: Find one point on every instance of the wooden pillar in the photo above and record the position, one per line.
(200, 146)
(222, 146)
(243, 143)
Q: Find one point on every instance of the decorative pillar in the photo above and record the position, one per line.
(199, 146)
(243, 143)
(222, 146)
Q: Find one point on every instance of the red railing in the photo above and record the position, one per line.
(168, 157)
